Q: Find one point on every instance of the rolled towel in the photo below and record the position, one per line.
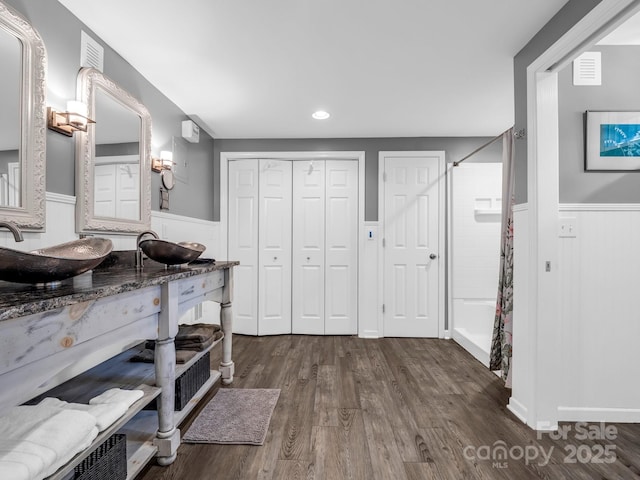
(106, 413)
(118, 395)
(36, 440)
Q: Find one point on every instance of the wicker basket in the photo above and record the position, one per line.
(107, 462)
(189, 382)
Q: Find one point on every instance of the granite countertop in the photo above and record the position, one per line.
(117, 274)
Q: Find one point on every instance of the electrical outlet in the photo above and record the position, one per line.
(568, 227)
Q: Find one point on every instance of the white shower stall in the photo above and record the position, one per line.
(476, 203)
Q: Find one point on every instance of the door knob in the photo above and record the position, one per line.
(433, 256)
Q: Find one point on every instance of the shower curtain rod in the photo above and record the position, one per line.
(494, 139)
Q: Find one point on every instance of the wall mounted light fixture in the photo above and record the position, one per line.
(73, 120)
(165, 162)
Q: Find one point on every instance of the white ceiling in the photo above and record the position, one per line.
(382, 68)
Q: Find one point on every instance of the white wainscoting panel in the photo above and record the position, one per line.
(370, 303)
(600, 313)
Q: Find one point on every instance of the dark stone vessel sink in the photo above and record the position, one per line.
(171, 253)
(55, 263)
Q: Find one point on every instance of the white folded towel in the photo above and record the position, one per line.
(83, 444)
(118, 395)
(36, 440)
(106, 413)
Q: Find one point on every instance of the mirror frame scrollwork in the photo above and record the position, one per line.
(30, 215)
(89, 80)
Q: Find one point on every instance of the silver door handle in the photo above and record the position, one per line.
(433, 256)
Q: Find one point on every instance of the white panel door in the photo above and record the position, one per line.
(308, 294)
(128, 191)
(341, 250)
(274, 245)
(411, 252)
(104, 193)
(243, 243)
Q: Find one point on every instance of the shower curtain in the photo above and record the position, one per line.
(501, 343)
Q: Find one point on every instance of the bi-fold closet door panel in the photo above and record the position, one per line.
(244, 201)
(308, 296)
(341, 247)
(325, 247)
(274, 247)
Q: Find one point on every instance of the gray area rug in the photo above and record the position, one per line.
(234, 416)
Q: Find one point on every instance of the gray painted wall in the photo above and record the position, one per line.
(620, 78)
(566, 18)
(60, 31)
(455, 149)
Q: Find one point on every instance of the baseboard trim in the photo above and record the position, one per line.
(518, 409)
(588, 414)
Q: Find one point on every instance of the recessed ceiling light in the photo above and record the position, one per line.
(320, 115)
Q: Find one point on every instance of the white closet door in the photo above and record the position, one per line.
(308, 247)
(341, 249)
(274, 299)
(243, 243)
(104, 193)
(411, 254)
(128, 191)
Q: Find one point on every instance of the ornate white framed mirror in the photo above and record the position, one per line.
(23, 121)
(113, 159)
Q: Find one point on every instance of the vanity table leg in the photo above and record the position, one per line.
(227, 366)
(168, 436)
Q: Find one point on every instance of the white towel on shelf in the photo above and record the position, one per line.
(118, 395)
(36, 440)
(106, 413)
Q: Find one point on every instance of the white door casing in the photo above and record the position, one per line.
(243, 243)
(308, 292)
(413, 283)
(274, 246)
(341, 248)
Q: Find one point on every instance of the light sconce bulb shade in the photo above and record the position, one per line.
(77, 113)
(73, 120)
(167, 159)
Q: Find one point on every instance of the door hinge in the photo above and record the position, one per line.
(383, 310)
(384, 176)
(383, 243)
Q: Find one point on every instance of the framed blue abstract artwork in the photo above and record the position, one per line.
(612, 141)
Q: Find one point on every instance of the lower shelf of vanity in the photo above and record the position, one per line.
(141, 430)
(138, 425)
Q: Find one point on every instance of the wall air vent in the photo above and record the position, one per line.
(91, 52)
(587, 69)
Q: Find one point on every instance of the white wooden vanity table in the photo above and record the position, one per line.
(77, 337)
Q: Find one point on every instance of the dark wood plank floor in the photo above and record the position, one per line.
(398, 409)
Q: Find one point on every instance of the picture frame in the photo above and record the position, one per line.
(612, 141)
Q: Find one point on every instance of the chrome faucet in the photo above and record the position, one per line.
(13, 228)
(139, 254)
